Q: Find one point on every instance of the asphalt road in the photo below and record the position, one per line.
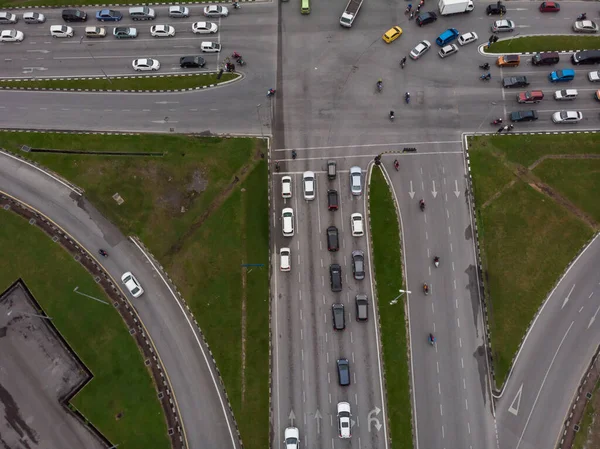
(203, 408)
(554, 356)
(327, 107)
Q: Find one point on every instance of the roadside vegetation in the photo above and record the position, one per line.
(200, 205)
(588, 436)
(535, 198)
(387, 265)
(122, 385)
(141, 83)
(555, 42)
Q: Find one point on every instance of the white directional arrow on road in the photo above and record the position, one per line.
(568, 297)
(292, 417)
(38, 51)
(592, 319)
(517, 400)
(433, 192)
(456, 191)
(371, 419)
(166, 102)
(411, 192)
(318, 418)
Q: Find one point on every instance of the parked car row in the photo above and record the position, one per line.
(291, 435)
(111, 15)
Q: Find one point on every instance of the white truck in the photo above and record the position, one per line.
(350, 13)
(455, 6)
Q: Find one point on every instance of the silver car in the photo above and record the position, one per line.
(585, 26)
(420, 49)
(179, 12)
(503, 25)
(356, 181)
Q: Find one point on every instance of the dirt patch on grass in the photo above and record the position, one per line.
(563, 156)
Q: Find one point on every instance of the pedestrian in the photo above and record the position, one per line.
(418, 8)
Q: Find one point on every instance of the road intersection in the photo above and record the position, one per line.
(327, 108)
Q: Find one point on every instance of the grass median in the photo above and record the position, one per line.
(122, 386)
(534, 215)
(528, 44)
(200, 205)
(387, 264)
(139, 83)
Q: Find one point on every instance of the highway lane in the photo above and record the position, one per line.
(307, 347)
(195, 384)
(553, 359)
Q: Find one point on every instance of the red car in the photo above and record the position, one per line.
(549, 7)
(534, 96)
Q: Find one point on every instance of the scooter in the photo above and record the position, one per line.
(102, 253)
(496, 122)
(486, 77)
(436, 261)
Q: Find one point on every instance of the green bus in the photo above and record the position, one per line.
(305, 7)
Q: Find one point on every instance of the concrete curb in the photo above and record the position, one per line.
(110, 5)
(480, 268)
(58, 89)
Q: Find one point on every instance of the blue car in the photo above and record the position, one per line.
(447, 36)
(561, 75)
(109, 15)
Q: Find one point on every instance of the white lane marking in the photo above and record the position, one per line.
(302, 354)
(467, 405)
(543, 382)
(301, 334)
(439, 389)
(568, 297)
(458, 322)
(441, 410)
(516, 403)
(592, 319)
(373, 145)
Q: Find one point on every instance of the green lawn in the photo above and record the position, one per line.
(202, 226)
(527, 238)
(143, 83)
(387, 265)
(95, 331)
(545, 43)
(578, 180)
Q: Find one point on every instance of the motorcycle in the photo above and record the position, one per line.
(271, 92)
(294, 154)
(236, 5)
(408, 8)
(379, 86)
(403, 62)
(425, 289)
(436, 261)
(422, 205)
(277, 167)
(582, 16)
(486, 77)
(496, 122)
(431, 339)
(102, 253)
(485, 66)
(397, 165)
(238, 58)
(407, 97)
(392, 116)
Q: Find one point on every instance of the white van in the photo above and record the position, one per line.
(210, 47)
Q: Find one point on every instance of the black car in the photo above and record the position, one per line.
(426, 17)
(496, 9)
(335, 277)
(333, 243)
(339, 319)
(523, 116)
(191, 62)
(515, 81)
(332, 199)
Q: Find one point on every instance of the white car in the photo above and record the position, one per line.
(291, 438)
(33, 17)
(11, 36)
(503, 25)
(448, 50)
(467, 38)
(132, 284)
(7, 18)
(309, 184)
(356, 181)
(420, 49)
(594, 76)
(286, 187)
(145, 65)
(162, 31)
(210, 47)
(179, 12)
(61, 31)
(567, 117)
(216, 11)
(205, 28)
(344, 424)
(585, 26)
(287, 222)
(566, 94)
(285, 262)
(356, 224)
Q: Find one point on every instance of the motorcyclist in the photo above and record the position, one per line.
(277, 166)
(426, 288)
(422, 204)
(102, 252)
(582, 16)
(409, 7)
(294, 154)
(392, 115)
(431, 338)
(403, 61)
(379, 84)
(236, 5)
(485, 66)
(236, 55)
(436, 259)
(271, 92)
(407, 97)
(396, 164)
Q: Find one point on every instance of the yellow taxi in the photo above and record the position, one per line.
(392, 34)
